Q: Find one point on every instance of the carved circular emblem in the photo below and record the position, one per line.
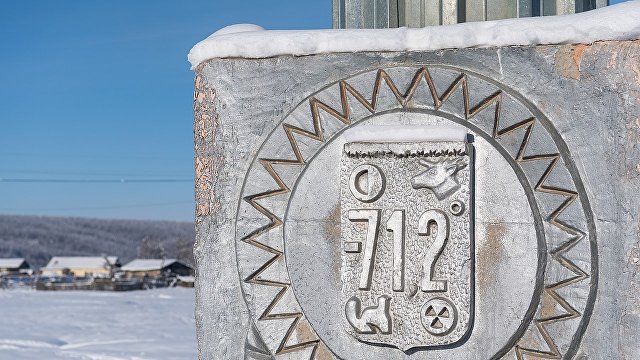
(412, 210)
(439, 316)
(457, 207)
(366, 183)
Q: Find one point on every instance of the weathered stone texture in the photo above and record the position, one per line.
(590, 95)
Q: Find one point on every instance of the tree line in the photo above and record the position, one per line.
(38, 238)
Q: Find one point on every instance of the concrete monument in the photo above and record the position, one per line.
(410, 202)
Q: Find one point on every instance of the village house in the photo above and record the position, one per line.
(14, 266)
(140, 268)
(81, 266)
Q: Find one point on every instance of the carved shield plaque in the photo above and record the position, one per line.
(356, 221)
(407, 242)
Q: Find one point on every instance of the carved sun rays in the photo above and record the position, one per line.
(343, 116)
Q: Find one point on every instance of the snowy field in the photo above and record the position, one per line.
(138, 325)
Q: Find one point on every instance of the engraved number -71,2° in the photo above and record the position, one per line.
(396, 226)
(372, 217)
(429, 217)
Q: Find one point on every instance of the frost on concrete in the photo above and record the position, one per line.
(617, 22)
(405, 133)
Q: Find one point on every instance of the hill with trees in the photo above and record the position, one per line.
(38, 238)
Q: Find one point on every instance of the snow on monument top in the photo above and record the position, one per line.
(617, 22)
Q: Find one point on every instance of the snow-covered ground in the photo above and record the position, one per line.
(91, 325)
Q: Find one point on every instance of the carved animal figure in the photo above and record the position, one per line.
(439, 177)
(371, 318)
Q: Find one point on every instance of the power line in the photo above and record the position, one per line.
(79, 156)
(129, 206)
(113, 174)
(92, 181)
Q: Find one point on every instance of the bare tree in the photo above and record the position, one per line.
(150, 248)
(184, 250)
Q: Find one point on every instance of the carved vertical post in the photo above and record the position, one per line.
(367, 14)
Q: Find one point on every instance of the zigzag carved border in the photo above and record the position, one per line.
(344, 116)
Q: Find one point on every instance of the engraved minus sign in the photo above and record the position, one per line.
(352, 246)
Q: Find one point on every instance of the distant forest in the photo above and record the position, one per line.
(39, 238)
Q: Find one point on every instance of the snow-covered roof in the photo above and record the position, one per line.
(80, 262)
(11, 263)
(150, 264)
(616, 22)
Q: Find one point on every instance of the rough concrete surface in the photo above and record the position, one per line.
(556, 252)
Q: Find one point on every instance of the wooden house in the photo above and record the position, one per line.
(14, 266)
(81, 266)
(140, 268)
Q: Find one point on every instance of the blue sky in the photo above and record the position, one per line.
(101, 90)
